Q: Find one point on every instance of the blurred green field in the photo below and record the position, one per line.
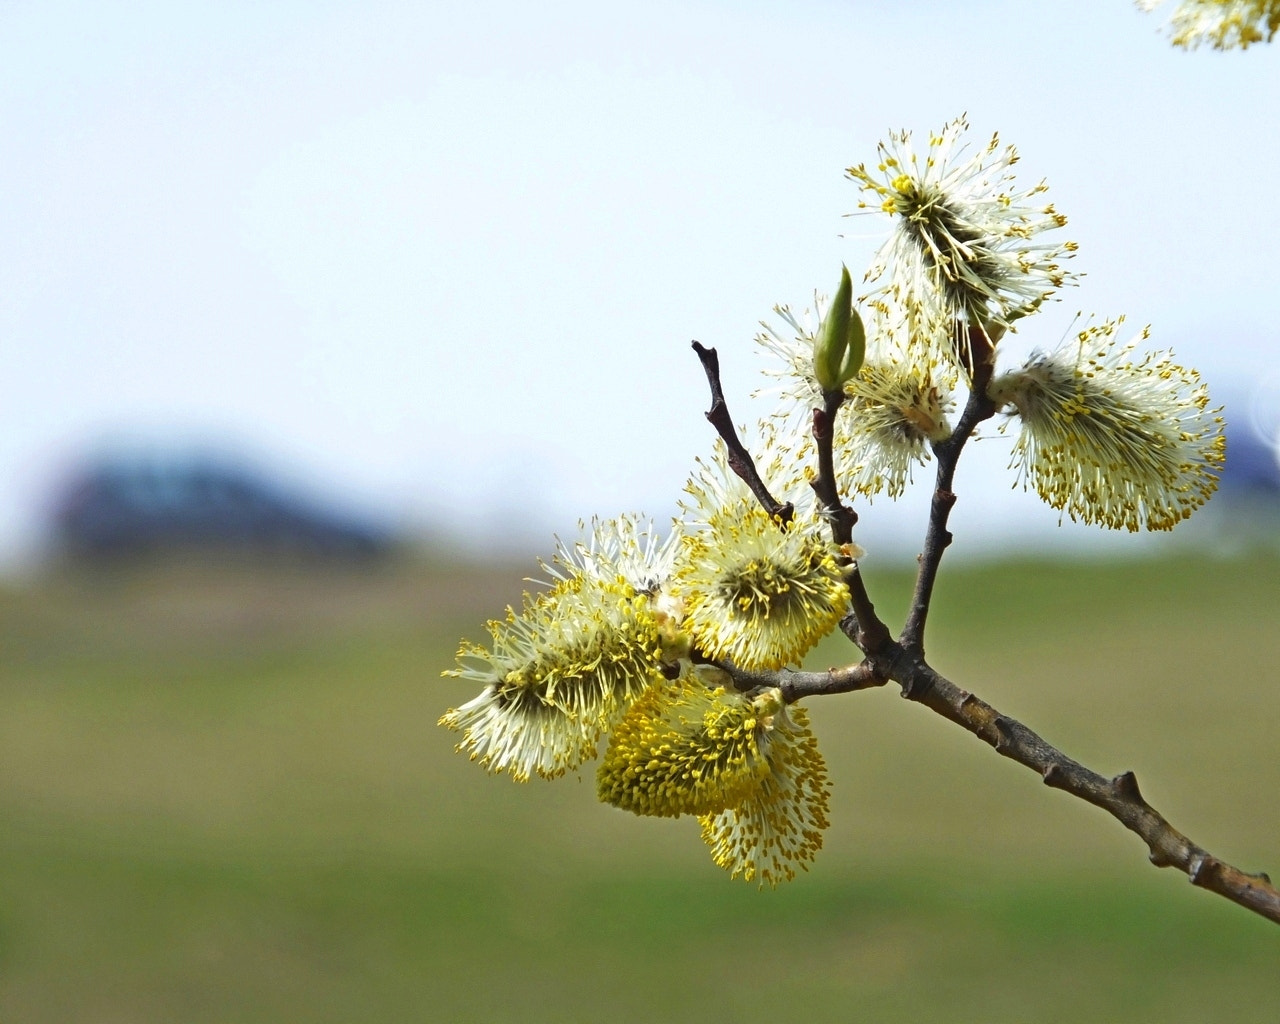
(224, 798)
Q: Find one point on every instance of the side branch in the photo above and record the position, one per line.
(979, 407)
(740, 460)
(795, 684)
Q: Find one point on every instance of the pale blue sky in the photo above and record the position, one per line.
(450, 257)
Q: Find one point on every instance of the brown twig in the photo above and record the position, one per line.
(865, 627)
(840, 515)
(796, 684)
(740, 460)
(937, 537)
(1118, 796)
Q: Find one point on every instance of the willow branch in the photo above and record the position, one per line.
(903, 661)
(1118, 796)
(937, 537)
(740, 460)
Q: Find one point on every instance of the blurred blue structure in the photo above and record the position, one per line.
(1244, 515)
(124, 507)
(1252, 469)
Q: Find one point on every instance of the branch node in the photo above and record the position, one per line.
(917, 685)
(1126, 786)
(1004, 732)
(1054, 776)
(1203, 868)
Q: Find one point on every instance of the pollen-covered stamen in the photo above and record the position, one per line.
(962, 248)
(778, 827)
(891, 415)
(1221, 24)
(684, 748)
(1115, 437)
(628, 547)
(514, 729)
(757, 592)
(892, 411)
(964, 269)
(557, 677)
(760, 588)
(798, 391)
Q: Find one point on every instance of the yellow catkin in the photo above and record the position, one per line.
(757, 592)
(1113, 436)
(556, 677)
(683, 748)
(778, 828)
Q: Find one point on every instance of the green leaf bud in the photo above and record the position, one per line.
(856, 351)
(832, 340)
